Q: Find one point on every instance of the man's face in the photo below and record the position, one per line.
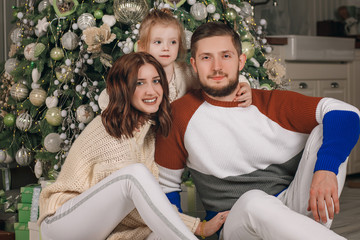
(217, 64)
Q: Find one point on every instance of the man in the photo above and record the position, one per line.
(274, 165)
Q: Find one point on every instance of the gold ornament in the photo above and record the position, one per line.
(37, 97)
(19, 91)
(130, 11)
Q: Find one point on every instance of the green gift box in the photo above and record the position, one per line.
(24, 210)
(21, 231)
(27, 193)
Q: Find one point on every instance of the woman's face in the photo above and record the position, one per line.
(148, 92)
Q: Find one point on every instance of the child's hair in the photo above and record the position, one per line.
(212, 29)
(120, 118)
(163, 17)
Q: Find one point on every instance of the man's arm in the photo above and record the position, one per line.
(341, 128)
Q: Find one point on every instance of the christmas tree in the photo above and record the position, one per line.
(61, 52)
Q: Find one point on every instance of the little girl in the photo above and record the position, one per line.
(108, 178)
(162, 35)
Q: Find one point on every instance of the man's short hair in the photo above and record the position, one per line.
(212, 29)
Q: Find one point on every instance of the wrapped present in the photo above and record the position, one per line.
(24, 212)
(26, 193)
(21, 231)
(7, 235)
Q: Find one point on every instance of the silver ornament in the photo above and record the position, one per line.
(84, 114)
(198, 11)
(86, 20)
(11, 64)
(38, 169)
(37, 97)
(24, 121)
(130, 11)
(19, 91)
(70, 40)
(52, 142)
(16, 35)
(43, 5)
(23, 156)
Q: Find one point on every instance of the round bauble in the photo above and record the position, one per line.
(57, 53)
(16, 35)
(98, 14)
(19, 91)
(23, 156)
(24, 121)
(39, 49)
(246, 10)
(130, 11)
(230, 14)
(29, 52)
(248, 49)
(52, 142)
(84, 114)
(246, 37)
(37, 97)
(198, 11)
(11, 64)
(110, 20)
(43, 5)
(53, 116)
(64, 75)
(86, 20)
(9, 120)
(51, 101)
(70, 40)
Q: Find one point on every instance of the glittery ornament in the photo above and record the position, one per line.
(84, 114)
(16, 35)
(37, 97)
(23, 156)
(52, 142)
(9, 120)
(56, 53)
(24, 121)
(188, 35)
(43, 5)
(86, 20)
(248, 49)
(64, 8)
(246, 10)
(230, 14)
(70, 40)
(130, 11)
(11, 64)
(29, 52)
(64, 73)
(51, 102)
(19, 91)
(53, 116)
(198, 11)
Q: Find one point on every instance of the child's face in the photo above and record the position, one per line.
(148, 92)
(164, 44)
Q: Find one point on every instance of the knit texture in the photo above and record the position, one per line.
(93, 156)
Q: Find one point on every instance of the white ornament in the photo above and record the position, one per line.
(110, 20)
(20, 15)
(263, 22)
(188, 35)
(16, 35)
(35, 85)
(198, 11)
(42, 25)
(29, 52)
(24, 121)
(81, 126)
(51, 101)
(211, 8)
(43, 5)
(38, 169)
(255, 62)
(84, 114)
(52, 142)
(70, 40)
(2, 156)
(8, 158)
(216, 16)
(11, 64)
(191, 2)
(86, 20)
(35, 75)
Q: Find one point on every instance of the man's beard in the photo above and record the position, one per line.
(224, 91)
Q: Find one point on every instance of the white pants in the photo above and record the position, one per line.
(96, 212)
(257, 215)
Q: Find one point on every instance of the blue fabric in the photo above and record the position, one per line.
(174, 198)
(341, 131)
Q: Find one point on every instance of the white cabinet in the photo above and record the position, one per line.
(340, 80)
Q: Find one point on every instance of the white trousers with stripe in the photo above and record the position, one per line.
(257, 215)
(97, 211)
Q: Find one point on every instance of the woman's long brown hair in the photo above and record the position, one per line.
(120, 118)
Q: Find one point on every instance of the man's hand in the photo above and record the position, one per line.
(324, 195)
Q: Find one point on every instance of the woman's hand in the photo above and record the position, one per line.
(206, 229)
(244, 96)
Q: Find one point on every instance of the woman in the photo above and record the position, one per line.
(106, 188)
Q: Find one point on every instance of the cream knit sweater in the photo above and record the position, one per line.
(95, 155)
